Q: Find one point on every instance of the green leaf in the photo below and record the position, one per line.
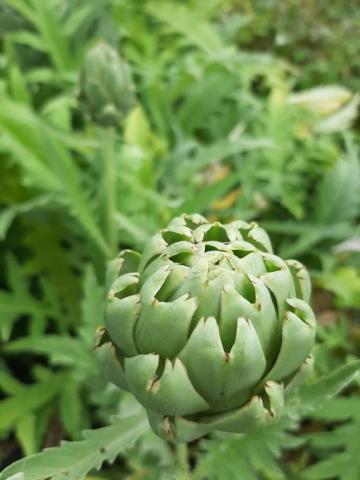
(61, 350)
(8, 383)
(333, 467)
(340, 443)
(31, 40)
(19, 301)
(345, 284)
(136, 231)
(8, 215)
(314, 395)
(47, 164)
(23, 8)
(308, 235)
(92, 306)
(200, 200)
(339, 409)
(216, 86)
(255, 455)
(337, 195)
(17, 84)
(74, 460)
(26, 433)
(48, 22)
(196, 30)
(76, 19)
(22, 136)
(56, 263)
(71, 409)
(27, 400)
(222, 149)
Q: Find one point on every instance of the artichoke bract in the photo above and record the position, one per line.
(207, 328)
(106, 88)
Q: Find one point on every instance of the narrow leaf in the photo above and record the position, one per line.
(312, 396)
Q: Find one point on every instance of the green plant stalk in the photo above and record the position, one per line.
(108, 143)
(182, 454)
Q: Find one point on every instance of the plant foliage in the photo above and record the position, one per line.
(238, 112)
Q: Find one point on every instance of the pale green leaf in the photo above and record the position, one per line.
(73, 460)
(314, 395)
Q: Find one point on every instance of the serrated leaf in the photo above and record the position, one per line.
(252, 454)
(27, 400)
(339, 409)
(196, 30)
(215, 85)
(313, 395)
(19, 301)
(49, 25)
(64, 351)
(46, 164)
(8, 215)
(341, 445)
(73, 460)
(55, 262)
(333, 467)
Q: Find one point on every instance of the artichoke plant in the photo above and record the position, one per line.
(106, 88)
(207, 328)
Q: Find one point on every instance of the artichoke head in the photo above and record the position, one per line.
(207, 328)
(106, 88)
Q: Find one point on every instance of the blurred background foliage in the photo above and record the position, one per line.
(245, 109)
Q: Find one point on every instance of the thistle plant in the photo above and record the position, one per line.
(207, 328)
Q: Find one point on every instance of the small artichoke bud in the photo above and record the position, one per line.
(106, 88)
(207, 328)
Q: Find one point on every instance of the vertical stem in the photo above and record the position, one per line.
(182, 455)
(110, 186)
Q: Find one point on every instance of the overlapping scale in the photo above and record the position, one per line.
(172, 393)
(207, 327)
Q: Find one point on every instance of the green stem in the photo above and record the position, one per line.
(182, 457)
(109, 164)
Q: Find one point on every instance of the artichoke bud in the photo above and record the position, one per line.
(106, 88)
(207, 328)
